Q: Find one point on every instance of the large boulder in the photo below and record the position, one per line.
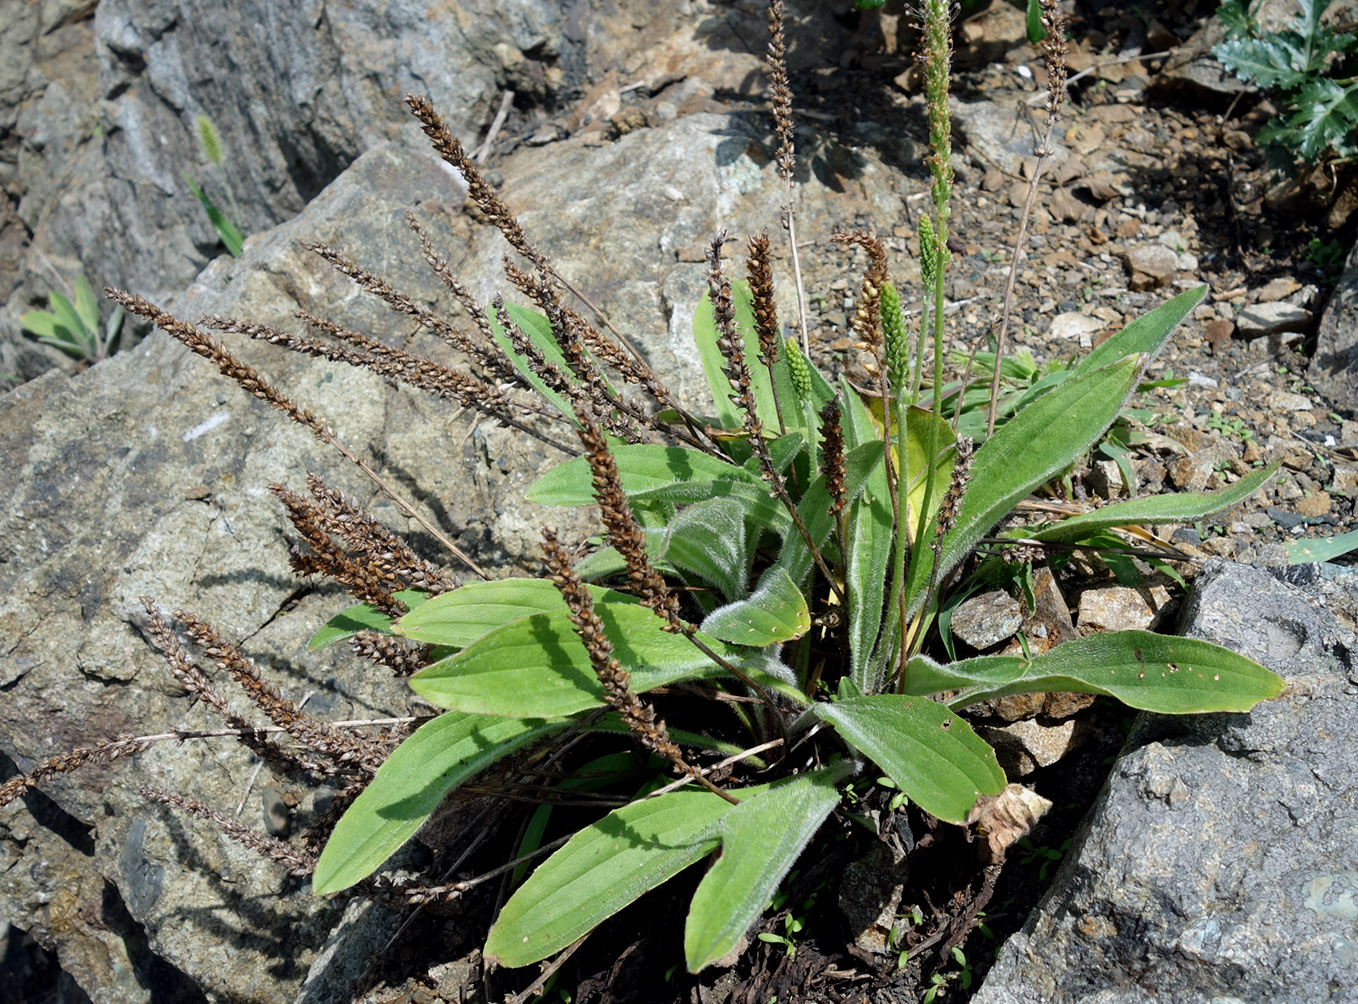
(1220, 863)
(1334, 367)
(99, 111)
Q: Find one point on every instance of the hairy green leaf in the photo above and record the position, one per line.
(602, 869)
(933, 755)
(761, 839)
(646, 471)
(537, 667)
(708, 538)
(1320, 548)
(1146, 335)
(1032, 447)
(1178, 507)
(459, 617)
(775, 612)
(436, 758)
(1147, 671)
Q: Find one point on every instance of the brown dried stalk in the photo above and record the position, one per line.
(347, 751)
(950, 506)
(416, 371)
(624, 533)
(366, 580)
(400, 656)
(781, 102)
(760, 272)
(296, 860)
(637, 715)
(196, 682)
(386, 550)
(732, 347)
(480, 191)
(250, 380)
(64, 763)
(1054, 55)
(867, 324)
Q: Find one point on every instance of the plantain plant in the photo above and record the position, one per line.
(811, 529)
(781, 556)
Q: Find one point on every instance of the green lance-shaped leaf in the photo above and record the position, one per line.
(538, 331)
(775, 612)
(361, 617)
(436, 758)
(602, 869)
(1145, 335)
(1320, 548)
(647, 471)
(933, 755)
(86, 305)
(714, 365)
(1177, 507)
(1150, 672)
(761, 839)
(459, 617)
(231, 236)
(537, 667)
(1027, 451)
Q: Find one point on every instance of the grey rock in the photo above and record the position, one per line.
(1149, 266)
(1334, 367)
(1194, 74)
(1219, 862)
(985, 620)
(1272, 319)
(989, 127)
(98, 115)
(1022, 747)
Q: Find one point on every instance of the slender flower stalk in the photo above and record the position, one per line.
(937, 68)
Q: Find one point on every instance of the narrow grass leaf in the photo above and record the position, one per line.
(1179, 507)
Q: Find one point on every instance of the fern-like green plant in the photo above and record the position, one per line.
(1309, 66)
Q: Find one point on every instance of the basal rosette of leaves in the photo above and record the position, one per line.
(516, 670)
(784, 555)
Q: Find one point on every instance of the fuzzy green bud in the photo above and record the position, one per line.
(798, 368)
(928, 252)
(897, 342)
